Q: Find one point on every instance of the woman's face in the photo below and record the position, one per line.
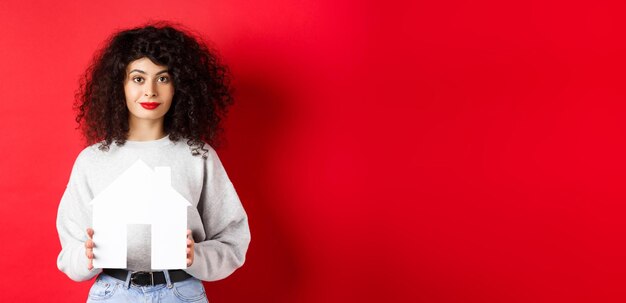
(149, 90)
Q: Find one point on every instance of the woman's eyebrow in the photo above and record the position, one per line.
(140, 71)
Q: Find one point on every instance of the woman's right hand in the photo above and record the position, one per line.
(89, 248)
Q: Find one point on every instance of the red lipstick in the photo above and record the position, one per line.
(150, 105)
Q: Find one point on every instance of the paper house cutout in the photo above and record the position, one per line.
(141, 195)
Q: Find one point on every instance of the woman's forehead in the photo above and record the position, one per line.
(146, 65)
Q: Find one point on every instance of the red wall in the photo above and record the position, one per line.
(440, 151)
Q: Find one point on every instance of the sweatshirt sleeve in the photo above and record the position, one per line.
(73, 218)
(225, 225)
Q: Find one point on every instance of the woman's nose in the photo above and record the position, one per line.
(150, 92)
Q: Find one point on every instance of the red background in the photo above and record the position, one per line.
(426, 151)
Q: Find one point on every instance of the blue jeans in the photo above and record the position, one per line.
(109, 289)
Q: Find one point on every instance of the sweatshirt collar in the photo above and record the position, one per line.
(150, 143)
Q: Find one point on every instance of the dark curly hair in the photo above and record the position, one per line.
(202, 86)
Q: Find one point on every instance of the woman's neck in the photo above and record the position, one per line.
(145, 130)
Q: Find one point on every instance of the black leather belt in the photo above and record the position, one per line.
(147, 278)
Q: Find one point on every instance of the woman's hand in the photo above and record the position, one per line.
(89, 248)
(190, 244)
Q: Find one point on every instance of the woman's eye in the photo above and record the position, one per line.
(164, 79)
(137, 79)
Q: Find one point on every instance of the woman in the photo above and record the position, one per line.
(157, 94)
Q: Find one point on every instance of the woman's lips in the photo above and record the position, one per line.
(150, 105)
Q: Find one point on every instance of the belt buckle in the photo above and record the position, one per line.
(138, 275)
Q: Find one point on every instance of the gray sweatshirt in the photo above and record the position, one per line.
(217, 219)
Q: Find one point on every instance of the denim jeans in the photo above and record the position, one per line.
(109, 289)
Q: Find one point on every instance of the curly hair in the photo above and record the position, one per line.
(202, 92)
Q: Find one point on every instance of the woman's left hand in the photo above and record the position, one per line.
(190, 244)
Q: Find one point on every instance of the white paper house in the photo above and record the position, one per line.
(141, 195)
